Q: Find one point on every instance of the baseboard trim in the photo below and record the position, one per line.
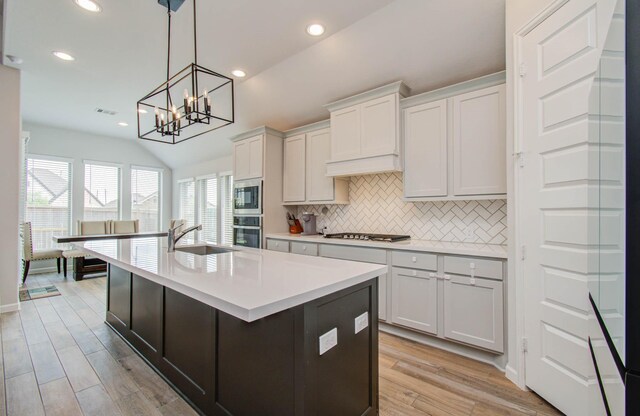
(42, 270)
(512, 375)
(469, 352)
(12, 307)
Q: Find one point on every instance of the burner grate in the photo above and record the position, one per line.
(389, 238)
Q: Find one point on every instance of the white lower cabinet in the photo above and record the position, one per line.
(473, 311)
(414, 299)
(458, 298)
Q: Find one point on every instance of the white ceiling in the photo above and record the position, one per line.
(121, 56)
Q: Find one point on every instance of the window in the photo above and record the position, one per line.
(187, 201)
(208, 210)
(226, 192)
(212, 196)
(48, 200)
(101, 192)
(145, 198)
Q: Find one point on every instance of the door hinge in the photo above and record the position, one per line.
(525, 345)
(523, 252)
(523, 70)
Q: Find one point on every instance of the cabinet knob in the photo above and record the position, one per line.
(304, 248)
(277, 244)
(472, 281)
(415, 273)
(447, 277)
(432, 275)
(414, 259)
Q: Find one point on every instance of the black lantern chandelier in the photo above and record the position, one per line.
(205, 103)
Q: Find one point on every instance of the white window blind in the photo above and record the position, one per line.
(101, 192)
(187, 202)
(48, 200)
(208, 208)
(145, 198)
(226, 192)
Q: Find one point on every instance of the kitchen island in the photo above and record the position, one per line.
(248, 332)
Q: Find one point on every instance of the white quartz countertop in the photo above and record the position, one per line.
(247, 283)
(464, 249)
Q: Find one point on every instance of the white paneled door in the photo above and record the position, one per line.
(559, 56)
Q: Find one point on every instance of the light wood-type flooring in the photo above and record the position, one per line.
(59, 358)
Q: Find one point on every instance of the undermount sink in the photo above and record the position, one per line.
(204, 250)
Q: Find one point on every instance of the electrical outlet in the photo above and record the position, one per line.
(361, 322)
(328, 340)
(469, 233)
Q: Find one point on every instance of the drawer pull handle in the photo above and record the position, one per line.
(472, 281)
(414, 273)
(447, 277)
(277, 244)
(432, 275)
(414, 259)
(304, 248)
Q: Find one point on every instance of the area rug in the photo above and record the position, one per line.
(30, 293)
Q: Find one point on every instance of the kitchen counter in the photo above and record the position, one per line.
(465, 249)
(247, 283)
(296, 335)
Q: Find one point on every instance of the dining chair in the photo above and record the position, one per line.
(85, 228)
(125, 227)
(29, 254)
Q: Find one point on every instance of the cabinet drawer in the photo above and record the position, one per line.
(414, 260)
(310, 249)
(278, 245)
(473, 312)
(368, 255)
(491, 269)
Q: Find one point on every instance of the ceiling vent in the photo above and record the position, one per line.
(107, 112)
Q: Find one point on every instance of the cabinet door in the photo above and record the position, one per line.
(379, 126)
(255, 157)
(119, 299)
(241, 160)
(414, 299)
(345, 133)
(382, 296)
(294, 169)
(473, 313)
(479, 142)
(319, 186)
(425, 150)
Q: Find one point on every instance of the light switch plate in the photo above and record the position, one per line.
(328, 340)
(361, 322)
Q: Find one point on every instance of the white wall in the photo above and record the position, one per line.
(81, 146)
(220, 165)
(518, 14)
(9, 187)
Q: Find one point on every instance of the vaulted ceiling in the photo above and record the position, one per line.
(120, 56)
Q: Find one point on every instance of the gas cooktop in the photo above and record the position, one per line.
(388, 238)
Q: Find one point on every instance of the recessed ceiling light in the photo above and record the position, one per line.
(239, 73)
(64, 56)
(315, 29)
(89, 5)
(123, 124)
(142, 111)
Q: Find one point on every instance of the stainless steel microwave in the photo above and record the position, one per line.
(247, 197)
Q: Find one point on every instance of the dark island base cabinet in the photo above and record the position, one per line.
(225, 366)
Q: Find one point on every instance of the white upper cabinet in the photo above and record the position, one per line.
(479, 142)
(365, 132)
(345, 140)
(294, 168)
(248, 155)
(305, 180)
(455, 142)
(425, 140)
(379, 126)
(320, 187)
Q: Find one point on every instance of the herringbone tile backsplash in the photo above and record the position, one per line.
(377, 207)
